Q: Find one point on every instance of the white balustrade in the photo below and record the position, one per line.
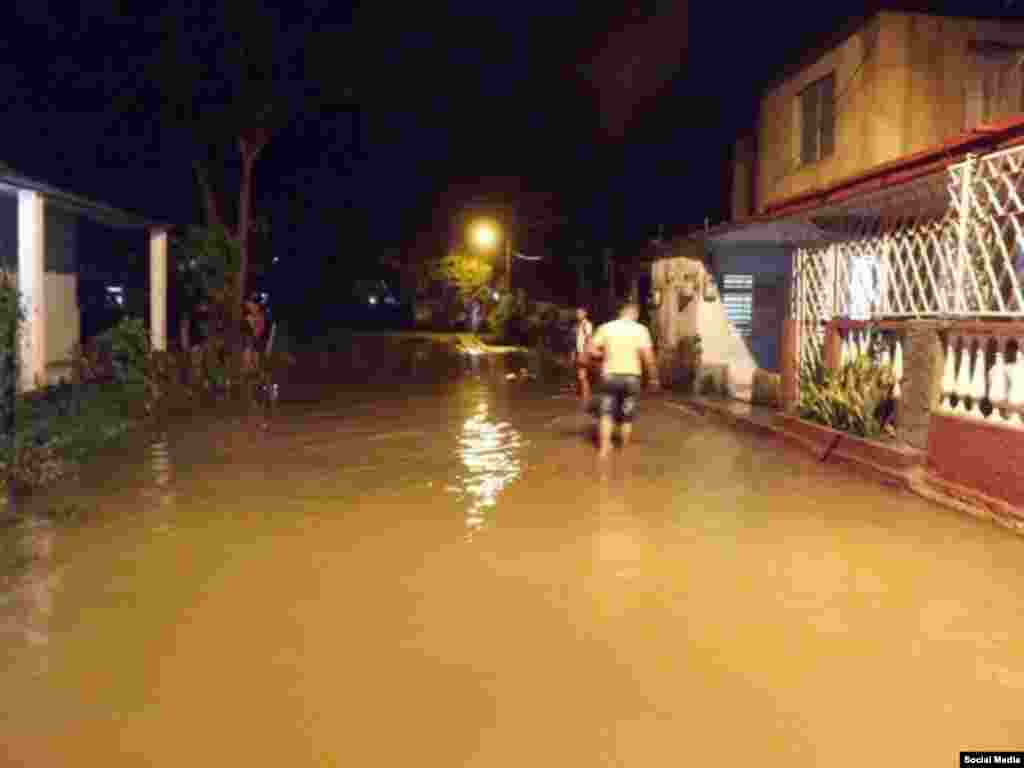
(897, 368)
(978, 388)
(1015, 394)
(970, 380)
(997, 389)
(963, 376)
(949, 377)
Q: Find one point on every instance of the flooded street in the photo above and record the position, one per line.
(432, 568)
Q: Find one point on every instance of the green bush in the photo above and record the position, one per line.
(499, 316)
(767, 389)
(855, 399)
(128, 342)
(689, 354)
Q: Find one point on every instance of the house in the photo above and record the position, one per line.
(884, 183)
(39, 243)
(894, 85)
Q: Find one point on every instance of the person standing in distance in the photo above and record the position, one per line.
(584, 330)
(627, 349)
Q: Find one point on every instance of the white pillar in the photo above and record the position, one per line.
(158, 289)
(31, 287)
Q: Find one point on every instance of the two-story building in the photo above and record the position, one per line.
(895, 96)
(883, 182)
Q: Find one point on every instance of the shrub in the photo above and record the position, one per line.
(767, 389)
(499, 316)
(128, 343)
(689, 354)
(854, 399)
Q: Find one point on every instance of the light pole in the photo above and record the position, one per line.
(486, 233)
(508, 264)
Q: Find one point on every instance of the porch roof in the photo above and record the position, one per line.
(914, 185)
(11, 181)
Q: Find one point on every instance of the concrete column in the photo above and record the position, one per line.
(158, 289)
(31, 287)
(923, 363)
(831, 352)
(789, 365)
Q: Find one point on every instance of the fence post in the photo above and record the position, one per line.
(964, 212)
(883, 277)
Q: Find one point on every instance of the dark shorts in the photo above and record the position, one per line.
(618, 396)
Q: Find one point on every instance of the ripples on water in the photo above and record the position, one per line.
(489, 452)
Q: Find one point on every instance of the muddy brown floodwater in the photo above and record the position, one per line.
(430, 567)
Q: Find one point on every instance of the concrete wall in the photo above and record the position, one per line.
(721, 344)
(9, 232)
(901, 86)
(670, 322)
(60, 279)
(63, 319)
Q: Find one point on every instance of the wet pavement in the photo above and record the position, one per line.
(432, 568)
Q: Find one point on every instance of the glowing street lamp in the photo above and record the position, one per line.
(485, 234)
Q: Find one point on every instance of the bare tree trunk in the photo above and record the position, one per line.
(213, 217)
(185, 340)
(250, 149)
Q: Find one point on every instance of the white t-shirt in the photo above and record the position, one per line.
(583, 332)
(622, 341)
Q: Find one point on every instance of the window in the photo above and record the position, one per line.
(115, 294)
(817, 120)
(738, 298)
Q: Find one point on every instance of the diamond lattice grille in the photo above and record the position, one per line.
(913, 254)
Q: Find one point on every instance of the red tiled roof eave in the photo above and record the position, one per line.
(990, 138)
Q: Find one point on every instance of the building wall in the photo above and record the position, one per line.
(771, 267)
(8, 232)
(63, 319)
(721, 344)
(901, 86)
(670, 323)
(60, 286)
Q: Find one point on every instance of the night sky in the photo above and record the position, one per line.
(612, 123)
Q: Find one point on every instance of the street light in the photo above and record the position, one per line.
(486, 234)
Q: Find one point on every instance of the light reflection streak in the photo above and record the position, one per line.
(489, 454)
(162, 466)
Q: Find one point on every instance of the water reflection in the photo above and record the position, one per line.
(489, 453)
(162, 468)
(28, 607)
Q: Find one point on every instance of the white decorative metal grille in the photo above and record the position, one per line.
(919, 251)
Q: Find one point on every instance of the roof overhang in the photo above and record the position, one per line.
(11, 183)
(913, 186)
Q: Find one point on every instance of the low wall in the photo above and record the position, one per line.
(841, 445)
(986, 457)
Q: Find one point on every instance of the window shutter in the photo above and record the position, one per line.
(738, 299)
(826, 99)
(808, 125)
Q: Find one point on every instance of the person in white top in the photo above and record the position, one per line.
(584, 330)
(626, 348)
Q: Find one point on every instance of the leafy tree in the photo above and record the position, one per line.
(467, 272)
(225, 74)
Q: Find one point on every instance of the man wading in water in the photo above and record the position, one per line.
(584, 330)
(626, 348)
